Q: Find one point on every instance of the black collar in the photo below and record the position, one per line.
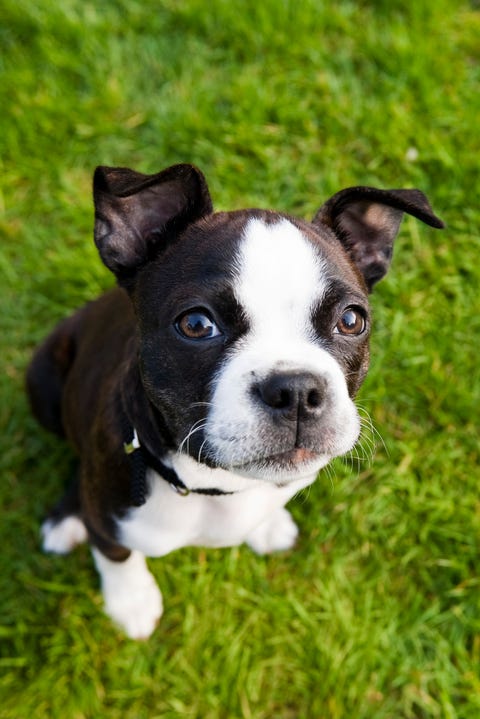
(134, 404)
(141, 459)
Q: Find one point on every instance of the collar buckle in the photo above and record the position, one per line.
(182, 491)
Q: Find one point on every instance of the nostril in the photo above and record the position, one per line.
(274, 393)
(284, 399)
(314, 398)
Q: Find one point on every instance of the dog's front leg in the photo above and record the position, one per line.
(132, 597)
(275, 534)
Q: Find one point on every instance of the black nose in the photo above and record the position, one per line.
(293, 394)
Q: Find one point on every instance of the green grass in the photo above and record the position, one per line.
(376, 615)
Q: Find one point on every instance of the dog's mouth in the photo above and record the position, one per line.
(291, 463)
(295, 456)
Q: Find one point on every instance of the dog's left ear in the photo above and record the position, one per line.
(136, 214)
(367, 220)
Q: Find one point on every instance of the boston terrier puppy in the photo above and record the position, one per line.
(216, 380)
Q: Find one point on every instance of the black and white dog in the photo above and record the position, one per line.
(216, 380)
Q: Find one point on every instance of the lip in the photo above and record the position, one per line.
(292, 458)
(297, 455)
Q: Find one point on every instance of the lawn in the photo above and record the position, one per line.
(376, 614)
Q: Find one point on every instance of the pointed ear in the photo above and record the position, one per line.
(367, 220)
(135, 213)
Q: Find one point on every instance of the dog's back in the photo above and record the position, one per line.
(47, 373)
(55, 358)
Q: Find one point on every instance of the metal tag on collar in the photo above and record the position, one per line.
(182, 491)
(130, 447)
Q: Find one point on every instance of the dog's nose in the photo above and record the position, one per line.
(295, 395)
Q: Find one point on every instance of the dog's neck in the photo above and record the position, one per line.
(198, 477)
(152, 450)
(146, 442)
(141, 460)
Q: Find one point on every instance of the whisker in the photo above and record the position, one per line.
(366, 422)
(330, 474)
(200, 450)
(376, 438)
(197, 426)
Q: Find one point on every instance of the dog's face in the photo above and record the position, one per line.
(253, 326)
(253, 340)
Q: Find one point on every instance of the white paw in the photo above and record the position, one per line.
(136, 611)
(61, 537)
(132, 597)
(276, 534)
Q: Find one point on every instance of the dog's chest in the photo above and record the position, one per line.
(169, 521)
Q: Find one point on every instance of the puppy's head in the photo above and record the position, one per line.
(253, 326)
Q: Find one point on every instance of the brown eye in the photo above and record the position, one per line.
(352, 322)
(197, 325)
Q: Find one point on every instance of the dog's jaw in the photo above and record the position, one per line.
(280, 279)
(198, 476)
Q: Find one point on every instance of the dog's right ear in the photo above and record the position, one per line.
(136, 214)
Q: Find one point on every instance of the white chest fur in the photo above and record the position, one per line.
(169, 521)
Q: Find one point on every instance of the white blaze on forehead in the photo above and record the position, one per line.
(279, 278)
